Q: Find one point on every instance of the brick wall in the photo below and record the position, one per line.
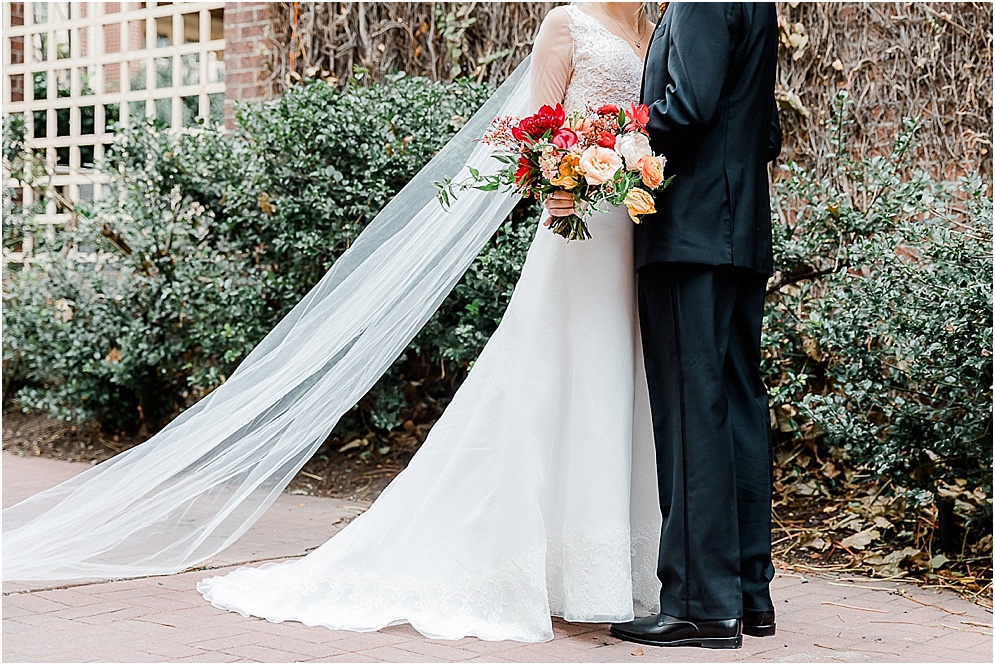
(17, 52)
(245, 77)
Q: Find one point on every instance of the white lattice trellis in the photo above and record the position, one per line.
(88, 65)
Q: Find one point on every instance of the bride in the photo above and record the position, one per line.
(535, 493)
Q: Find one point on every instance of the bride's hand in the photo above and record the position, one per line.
(560, 204)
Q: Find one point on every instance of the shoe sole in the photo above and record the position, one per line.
(704, 642)
(760, 631)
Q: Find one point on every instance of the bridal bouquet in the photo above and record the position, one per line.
(602, 155)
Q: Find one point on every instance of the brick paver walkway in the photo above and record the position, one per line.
(165, 619)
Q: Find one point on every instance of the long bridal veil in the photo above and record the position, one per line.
(200, 483)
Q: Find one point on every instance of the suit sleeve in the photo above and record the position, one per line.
(774, 144)
(698, 64)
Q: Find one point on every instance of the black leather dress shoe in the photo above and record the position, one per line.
(667, 631)
(758, 624)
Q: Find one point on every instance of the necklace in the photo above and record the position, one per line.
(637, 42)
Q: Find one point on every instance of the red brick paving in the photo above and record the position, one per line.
(164, 619)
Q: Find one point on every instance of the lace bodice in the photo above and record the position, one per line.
(605, 68)
(578, 62)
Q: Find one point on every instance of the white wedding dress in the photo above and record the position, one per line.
(535, 493)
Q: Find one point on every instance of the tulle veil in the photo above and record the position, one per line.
(197, 485)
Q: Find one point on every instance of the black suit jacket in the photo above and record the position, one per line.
(709, 85)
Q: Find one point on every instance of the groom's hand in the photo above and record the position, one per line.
(560, 204)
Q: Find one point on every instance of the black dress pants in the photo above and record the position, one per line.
(701, 342)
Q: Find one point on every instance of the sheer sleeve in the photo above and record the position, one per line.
(552, 59)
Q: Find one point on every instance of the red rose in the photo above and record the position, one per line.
(564, 138)
(608, 109)
(638, 116)
(522, 175)
(536, 125)
(606, 140)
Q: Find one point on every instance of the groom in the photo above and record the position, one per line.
(703, 263)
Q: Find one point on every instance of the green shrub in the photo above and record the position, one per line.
(18, 161)
(207, 239)
(878, 334)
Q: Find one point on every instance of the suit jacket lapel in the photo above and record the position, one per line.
(658, 68)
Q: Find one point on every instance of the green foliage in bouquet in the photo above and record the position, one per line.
(878, 331)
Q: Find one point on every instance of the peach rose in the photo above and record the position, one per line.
(639, 202)
(599, 164)
(651, 171)
(579, 124)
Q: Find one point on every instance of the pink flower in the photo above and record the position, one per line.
(549, 165)
(564, 138)
(599, 164)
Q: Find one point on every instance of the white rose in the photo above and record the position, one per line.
(633, 146)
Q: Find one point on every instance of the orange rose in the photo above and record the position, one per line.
(651, 171)
(568, 173)
(639, 202)
(568, 165)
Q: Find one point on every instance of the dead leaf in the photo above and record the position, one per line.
(850, 521)
(811, 347)
(829, 470)
(353, 445)
(882, 522)
(264, 203)
(938, 561)
(861, 539)
(801, 49)
(63, 310)
(807, 488)
(113, 356)
(791, 101)
(889, 565)
(638, 652)
(816, 543)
